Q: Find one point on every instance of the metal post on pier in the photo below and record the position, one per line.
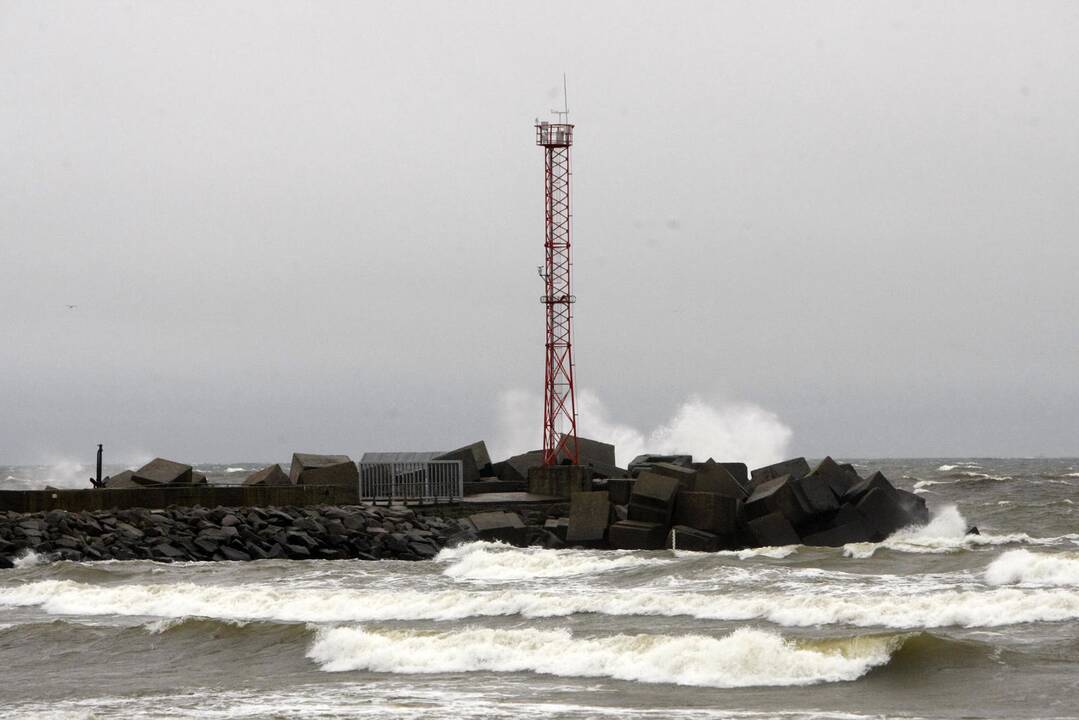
(96, 481)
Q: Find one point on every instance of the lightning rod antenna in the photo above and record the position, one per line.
(563, 114)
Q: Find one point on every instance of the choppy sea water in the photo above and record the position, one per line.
(931, 623)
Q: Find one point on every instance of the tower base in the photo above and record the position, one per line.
(559, 480)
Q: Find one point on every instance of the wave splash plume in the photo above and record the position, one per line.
(698, 426)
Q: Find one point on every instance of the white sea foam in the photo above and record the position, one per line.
(235, 469)
(815, 606)
(773, 552)
(1024, 567)
(156, 627)
(947, 468)
(745, 658)
(497, 562)
(30, 559)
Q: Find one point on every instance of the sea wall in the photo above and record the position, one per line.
(159, 497)
(224, 533)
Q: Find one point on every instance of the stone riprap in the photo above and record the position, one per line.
(242, 533)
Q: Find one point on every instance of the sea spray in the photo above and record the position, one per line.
(697, 426)
(745, 658)
(29, 559)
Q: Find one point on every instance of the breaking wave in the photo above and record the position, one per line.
(967, 608)
(742, 658)
(1017, 567)
(498, 562)
(971, 476)
(946, 532)
(745, 658)
(956, 466)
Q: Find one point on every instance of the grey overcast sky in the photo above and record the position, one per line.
(316, 226)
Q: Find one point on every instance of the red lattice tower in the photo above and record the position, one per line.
(559, 404)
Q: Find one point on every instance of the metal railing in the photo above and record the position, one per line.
(435, 481)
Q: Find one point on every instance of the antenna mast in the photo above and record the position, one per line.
(559, 403)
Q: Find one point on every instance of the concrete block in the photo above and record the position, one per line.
(817, 493)
(589, 452)
(682, 537)
(123, 479)
(654, 490)
(269, 475)
(647, 513)
(840, 478)
(874, 481)
(708, 511)
(739, 471)
(712, 477)
(620, 490)
(847, 513)
(652, 499)
(589, 515)
(508, 473)
(500, 526)
(600, 470)
(853, 531)
(559, 480)
(882, 512)
(474, 458)
(516, 468)
(558, 527)
(163, 472)
(632, 535)
(683, 474)
(309, 461)
(777, 496)
(796, 468)
(850, 470)
(773, 530)
(914, 506)
(310, 469)
(645, 462)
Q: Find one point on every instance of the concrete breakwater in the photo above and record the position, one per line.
(223, 533)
